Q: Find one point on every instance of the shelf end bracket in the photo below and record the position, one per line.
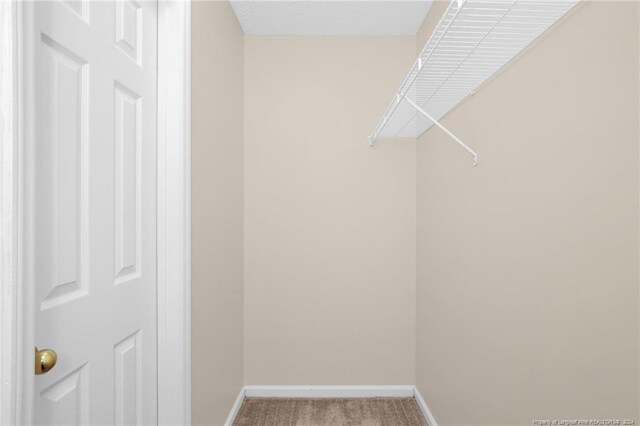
(444, 129)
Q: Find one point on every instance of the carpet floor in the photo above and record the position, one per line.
(329, 411)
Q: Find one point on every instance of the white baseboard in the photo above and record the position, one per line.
(423, 407)
(236, 408)
(311, 391)
(328, 391)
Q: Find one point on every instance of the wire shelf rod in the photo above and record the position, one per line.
(472, 41)
(419, 62)
(468, 54)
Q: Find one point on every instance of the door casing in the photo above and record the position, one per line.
(173, 226)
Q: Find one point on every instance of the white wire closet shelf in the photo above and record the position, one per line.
(472, 41)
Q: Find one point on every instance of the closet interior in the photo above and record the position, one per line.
(344, 246)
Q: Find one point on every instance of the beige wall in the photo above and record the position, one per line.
(329, 222)
(527, 279)
(217, 210)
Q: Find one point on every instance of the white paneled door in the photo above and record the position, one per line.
(93, 211)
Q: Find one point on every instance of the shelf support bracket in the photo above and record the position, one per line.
(444, 129)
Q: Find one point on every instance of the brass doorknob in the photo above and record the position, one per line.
(45, 360)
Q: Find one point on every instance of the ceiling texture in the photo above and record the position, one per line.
(331, 17)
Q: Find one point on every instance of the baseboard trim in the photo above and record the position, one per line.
(236, 408)
(383, 391)
(424, 408)
(328, 391)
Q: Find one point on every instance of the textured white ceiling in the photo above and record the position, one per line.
(330, 17)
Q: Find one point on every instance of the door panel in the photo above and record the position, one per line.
(127, 183)
(128, 25)
(94, 210)
(128, 398)
(61, 175)
(65, 402)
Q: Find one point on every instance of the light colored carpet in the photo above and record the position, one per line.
(329, 411)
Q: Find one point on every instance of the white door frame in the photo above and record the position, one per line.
(173, 233)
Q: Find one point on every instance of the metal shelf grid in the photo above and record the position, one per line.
(472, 41)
